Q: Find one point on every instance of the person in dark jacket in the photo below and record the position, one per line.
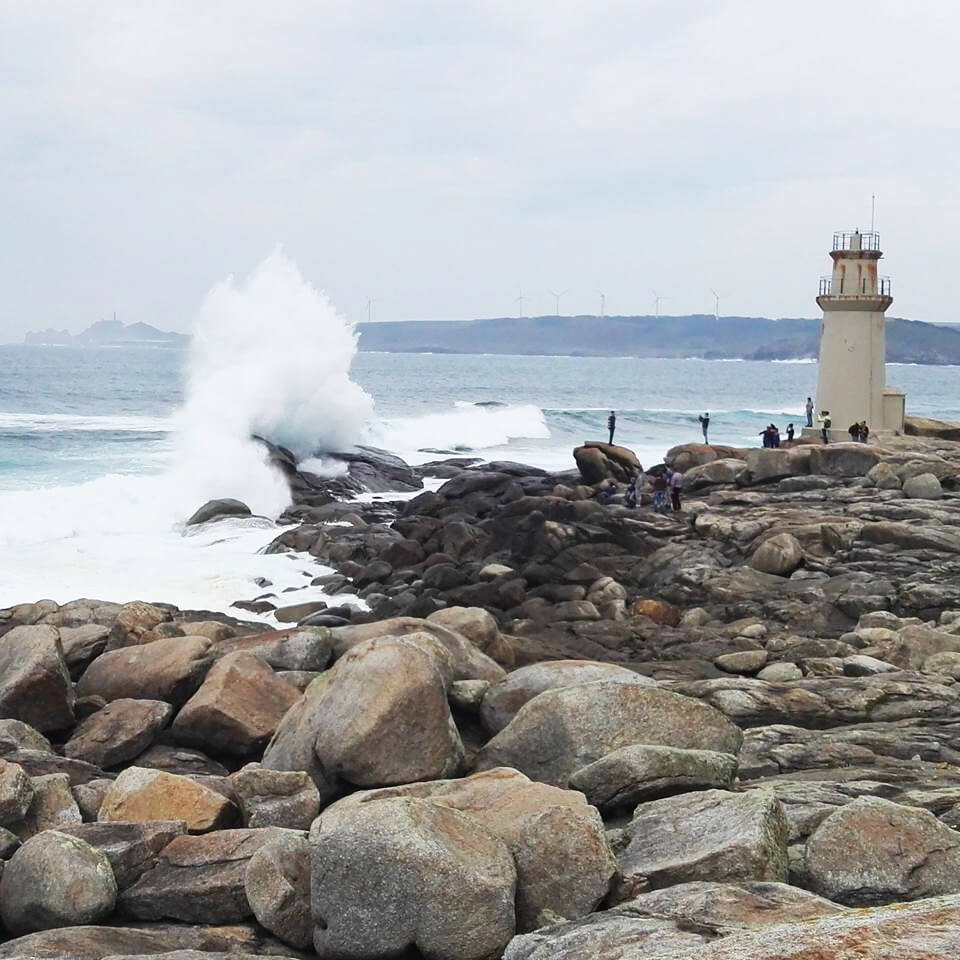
(864, 431)
(705, 426)
(676, 485)
(854, 431)
(612, 424)
(790, 432)
(809, 412)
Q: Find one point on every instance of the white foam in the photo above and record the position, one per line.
(463, 428)
(269, 355)
(62, 422)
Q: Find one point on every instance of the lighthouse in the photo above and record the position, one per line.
(851, 384)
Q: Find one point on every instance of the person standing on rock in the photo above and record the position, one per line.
(790, 432)
(612, 424)
(825, 423)
(676, 485)
(660, 492)
(864, 431)
(705, 426)
(809, 412)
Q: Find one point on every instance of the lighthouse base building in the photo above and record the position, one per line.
(851, 385)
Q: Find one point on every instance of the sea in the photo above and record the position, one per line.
(105, 452)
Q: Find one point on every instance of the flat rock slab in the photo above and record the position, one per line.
(95, 942)
(709, 835)
(119, 732)
(198, 879)
(170, 669)
(826, 701)
(926, 930)
(641, 772)
(140, 795)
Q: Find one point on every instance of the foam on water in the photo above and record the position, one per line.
(270, 356)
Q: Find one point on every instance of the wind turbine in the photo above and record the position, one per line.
(520, 301)
(370, 303)
(557, 297)
(656, 303)
(716, 304)
(603, 304)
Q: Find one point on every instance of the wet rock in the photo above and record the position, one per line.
(130, 847)
(295, 612)
(564, 864)
(277, 886)
(872, 851)
(709, 835)
(382, 878)
(170, 669)
(560, 731)
(505, 698)
(35, 685)
(276, 798)
(218, 510)
(198, 879)
(237, 708)
(140, 795)
(120, 731)
(55, 880)
(637, 773)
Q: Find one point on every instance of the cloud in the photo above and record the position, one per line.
(439, 156)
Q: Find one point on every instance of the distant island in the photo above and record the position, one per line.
(698, 335)
(108, 333)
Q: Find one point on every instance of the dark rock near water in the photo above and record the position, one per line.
(217, 510)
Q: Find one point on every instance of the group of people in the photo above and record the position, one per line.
(859, 432)
(665, 482)
(770, 434)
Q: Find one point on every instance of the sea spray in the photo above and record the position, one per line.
(270, 356)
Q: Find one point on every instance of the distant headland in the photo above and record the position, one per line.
(698, 335)
(108, 333)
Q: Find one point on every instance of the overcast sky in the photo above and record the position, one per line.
(440, 155)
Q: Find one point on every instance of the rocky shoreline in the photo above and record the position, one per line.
(555, 727)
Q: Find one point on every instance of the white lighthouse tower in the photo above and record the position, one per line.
(853, 340)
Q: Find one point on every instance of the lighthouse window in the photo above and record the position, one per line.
(843, 270)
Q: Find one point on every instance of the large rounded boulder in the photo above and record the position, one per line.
(503, 700)
(55, 880)
(403, 875)
(560, 731)
(379, 717)
(564, 863)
